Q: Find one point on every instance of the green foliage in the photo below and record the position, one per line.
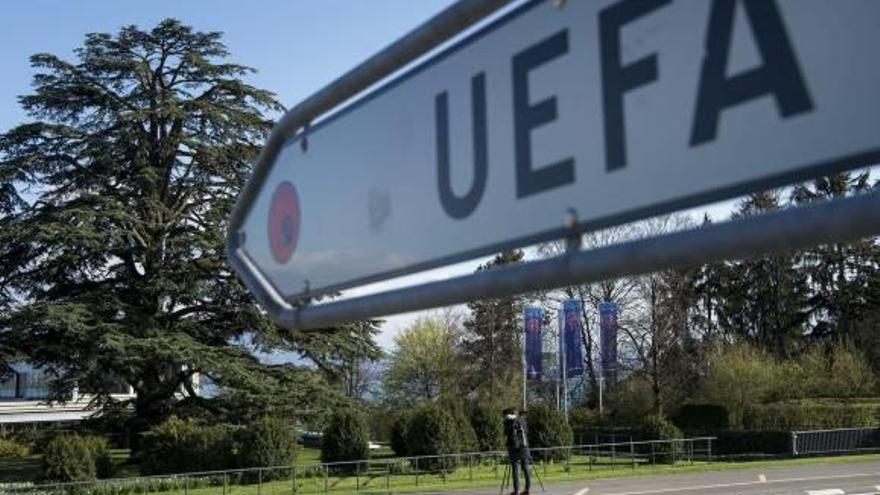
(702, 417)
(424, 364)
(69, 458)
(806, 415)
(12, 449)
(400, 432)
(547, 428)
(488, 427)
(433, 431)
(631, 400)
(267, 442)
(742, 376)
(345, 438)
(842, 371)
(467, 436)
(100, 450)
(181, 445)
(491, 346)
(656, 427)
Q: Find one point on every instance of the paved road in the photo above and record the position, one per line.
(819, 479)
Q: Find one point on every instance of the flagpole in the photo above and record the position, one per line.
(564, 366)
(524, 366)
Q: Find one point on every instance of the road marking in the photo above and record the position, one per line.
(582, 492)
(745, 483)
(830, 491)
(762, 478)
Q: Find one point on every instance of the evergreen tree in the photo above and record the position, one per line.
(764, 299)
(116, 263)
(844, 280)
(492, 343)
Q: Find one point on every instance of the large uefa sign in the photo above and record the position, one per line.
(555, 120)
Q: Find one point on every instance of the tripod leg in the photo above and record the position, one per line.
(538, 475)
(504, 479)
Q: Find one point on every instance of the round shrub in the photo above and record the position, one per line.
(267, 442)
(486, 422)
(400, 432)
(547, 428)
(69, 458)
(10, 449)
(182, 445)
(345, 439)
(433, 431)
(100, 451)
(656, 427)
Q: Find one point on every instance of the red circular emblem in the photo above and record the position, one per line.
(284, 220)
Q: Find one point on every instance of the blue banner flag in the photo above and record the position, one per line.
(608, 334)
(572, 327)
(533, 321)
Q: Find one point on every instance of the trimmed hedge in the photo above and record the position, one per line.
(702, 417)
(547, 428)
(805, 415)
(346, 438)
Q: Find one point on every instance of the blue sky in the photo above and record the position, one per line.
(297, 46)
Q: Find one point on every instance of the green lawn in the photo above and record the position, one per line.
(310, 479)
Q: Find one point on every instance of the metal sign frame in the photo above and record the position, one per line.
(836, 221)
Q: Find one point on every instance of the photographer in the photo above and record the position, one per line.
(516, 431)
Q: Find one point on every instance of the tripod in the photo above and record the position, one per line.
(507, 477)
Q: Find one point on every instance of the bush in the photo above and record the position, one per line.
(547, 428)
(656, 427)
(400, 432)
(69, 458)
(702, 417)
(805, 415)
(11, 449)
(267, 442)
(488, 428)
(181, 445)
(100, 450)
(432, 431)
(467, 437)
(345, 439)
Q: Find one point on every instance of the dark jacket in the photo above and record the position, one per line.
(517, 434)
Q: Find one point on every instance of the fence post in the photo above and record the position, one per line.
(225, 482)
(494, 466)
(186, 485)
(417, 471)
(691, 452)
(592, 457)
(653, 455)
(794, 449)
(259, 481)
(293, 481)
(326, 474)
(357, 477)
(632, 453)
(672, 449)
(613, 456)
(470, 467)
(388, 476)
(710, 450)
